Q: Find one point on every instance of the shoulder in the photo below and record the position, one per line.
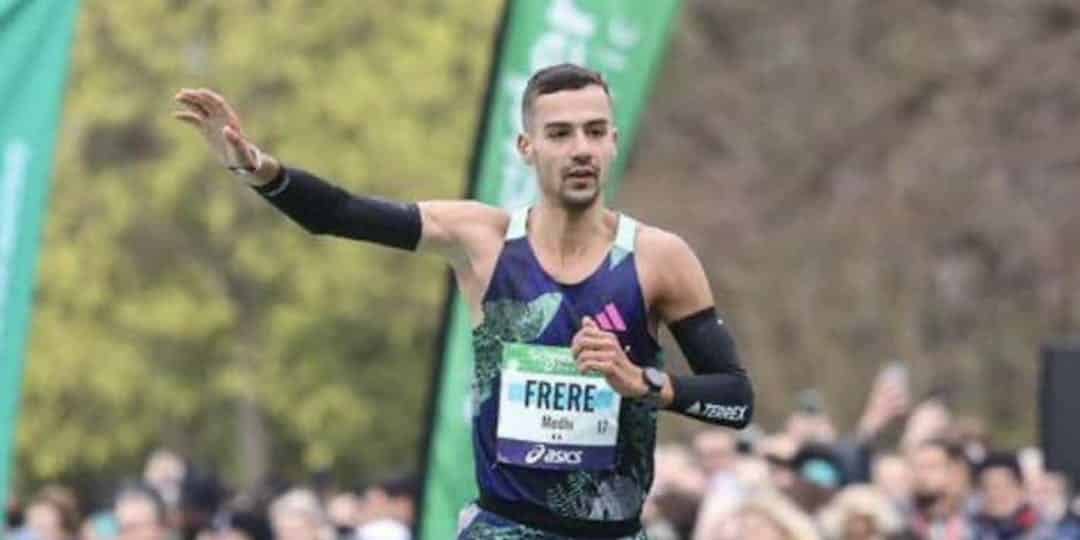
(671, 274)
(659, 246)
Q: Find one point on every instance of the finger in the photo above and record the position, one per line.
(583, 337)
(213, 102)
(189, 117)
(183, 93)
(593, 332)
(587, 322)
(601, 368)
(207, 103)
(599, 357)
(192, 103)
(196, 109)
(576, 346)
(220, 106)
(587, 343)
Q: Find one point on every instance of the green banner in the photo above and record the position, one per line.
(626, 42)
(35, 44)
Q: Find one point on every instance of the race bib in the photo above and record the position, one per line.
(550, 415)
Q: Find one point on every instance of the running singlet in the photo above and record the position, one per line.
(545, 436)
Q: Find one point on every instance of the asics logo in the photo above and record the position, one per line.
(535, 454)
(553, 456)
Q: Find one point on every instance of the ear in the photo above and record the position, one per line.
(524, 146)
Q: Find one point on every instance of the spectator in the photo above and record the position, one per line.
(201, 496)
(819, 473)
(679, 487)
(297, 515)
(343, 510)
(941, 495)
(769, 516)
(1052, 497)
(389, 510)
(140, 514)
(1006, 513)
(861, 512)
(53, 514)
(165, 471)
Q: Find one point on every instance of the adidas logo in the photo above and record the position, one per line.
(610, 320)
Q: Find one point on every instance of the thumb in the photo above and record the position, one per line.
(587, 322)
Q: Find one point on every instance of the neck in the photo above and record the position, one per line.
(569, 233)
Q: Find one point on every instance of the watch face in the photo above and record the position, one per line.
(654, 377)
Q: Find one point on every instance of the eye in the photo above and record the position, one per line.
(559, 134)
(598, 131)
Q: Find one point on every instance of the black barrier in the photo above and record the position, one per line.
(1059, 407)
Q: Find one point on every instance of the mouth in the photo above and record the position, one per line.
(581, 177)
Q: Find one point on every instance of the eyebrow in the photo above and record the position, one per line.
(591, 123)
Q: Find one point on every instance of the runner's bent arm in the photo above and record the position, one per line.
(719, 391)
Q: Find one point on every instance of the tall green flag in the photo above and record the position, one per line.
(623, 40)
(35, 42)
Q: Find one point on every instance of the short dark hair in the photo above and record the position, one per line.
(556, 79)
(1002, 460)
(400, 485)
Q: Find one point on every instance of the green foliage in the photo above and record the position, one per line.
(170, 295)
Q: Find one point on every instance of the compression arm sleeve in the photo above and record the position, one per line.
(719, 391)
(323, 208)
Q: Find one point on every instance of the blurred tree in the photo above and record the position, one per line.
(176, 308)
(869, 180)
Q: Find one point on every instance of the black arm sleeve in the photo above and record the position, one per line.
(323, 208)
(719, 392)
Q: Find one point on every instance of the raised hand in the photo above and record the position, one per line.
(220, 127)
(598, 351)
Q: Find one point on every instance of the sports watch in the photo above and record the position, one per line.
(655, 380)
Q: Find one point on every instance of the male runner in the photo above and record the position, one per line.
(565, 298)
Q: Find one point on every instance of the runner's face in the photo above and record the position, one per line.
(571, 141)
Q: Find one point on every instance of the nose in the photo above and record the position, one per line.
(581, 151)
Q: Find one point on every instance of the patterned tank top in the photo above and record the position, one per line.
(552, 448)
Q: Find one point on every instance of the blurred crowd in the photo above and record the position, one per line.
(904, 471)
(175, 501)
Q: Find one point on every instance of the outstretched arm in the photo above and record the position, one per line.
(321, 207)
